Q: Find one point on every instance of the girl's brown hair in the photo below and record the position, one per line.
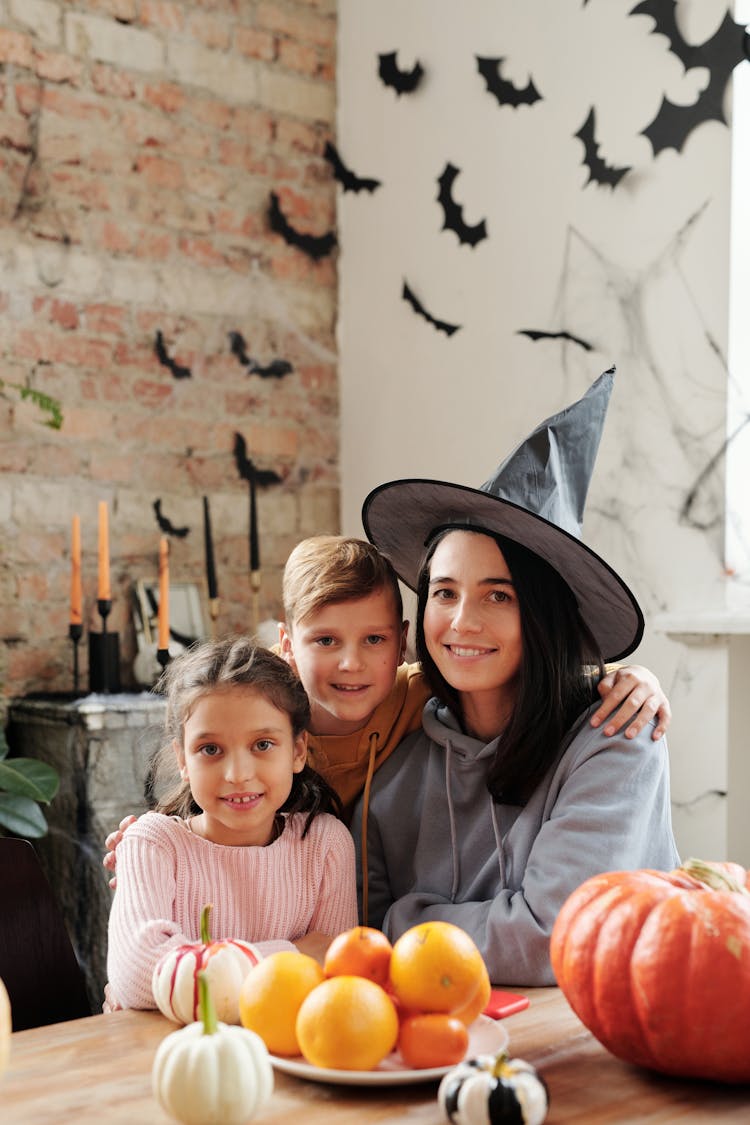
(220, 666)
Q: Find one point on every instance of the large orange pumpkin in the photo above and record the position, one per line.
(657, 966)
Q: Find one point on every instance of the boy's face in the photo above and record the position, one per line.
(346, 655)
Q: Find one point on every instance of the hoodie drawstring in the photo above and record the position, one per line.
(451, 820)
(373, 739)
(498, 841)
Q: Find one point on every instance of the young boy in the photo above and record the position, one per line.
(345, 636)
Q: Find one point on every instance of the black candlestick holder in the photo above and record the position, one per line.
(75, 632)
(104, 654)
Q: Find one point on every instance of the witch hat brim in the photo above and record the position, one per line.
(401, 516)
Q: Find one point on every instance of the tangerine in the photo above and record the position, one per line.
(432, 1039)
(436, 967)
(271, 995)
(347, 1023)
(478, 1003)
(360, 952)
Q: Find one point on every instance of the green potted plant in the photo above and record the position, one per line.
(25, 783)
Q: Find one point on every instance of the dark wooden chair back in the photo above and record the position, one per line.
(37, 963)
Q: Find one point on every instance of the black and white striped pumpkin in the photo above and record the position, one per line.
(494, 1090)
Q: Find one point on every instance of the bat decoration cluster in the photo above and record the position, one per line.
(166, 524)
(402, 81)
(720, 54)
(177, 369)
(315, 246)
(599, 171)
(246, 468)
(505, 92)
(453, 212)
(276, 369)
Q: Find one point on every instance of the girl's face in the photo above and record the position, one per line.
(472, 628)
(239, 755)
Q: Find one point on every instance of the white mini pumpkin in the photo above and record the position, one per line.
(211, 1073)
(493, 1090)
(227, 963)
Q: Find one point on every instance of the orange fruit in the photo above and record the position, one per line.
(432, 1039)
(436, 967)
(478, 1003)
(361, 952)
(271, 995)
(347, 1023)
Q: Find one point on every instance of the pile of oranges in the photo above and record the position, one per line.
(369, 997)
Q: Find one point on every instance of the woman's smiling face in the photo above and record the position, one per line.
(472, 627)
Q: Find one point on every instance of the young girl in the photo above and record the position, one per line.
(508, 799)
(247, 827)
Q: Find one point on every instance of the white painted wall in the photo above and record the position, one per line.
(641, 272)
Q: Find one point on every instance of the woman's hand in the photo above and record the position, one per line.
(114, 838)
(314, 945)
(635, 694)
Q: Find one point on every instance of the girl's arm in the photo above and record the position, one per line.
(336, 906)
(638, 694)
(141, 926)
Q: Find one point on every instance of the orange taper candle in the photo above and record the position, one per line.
(76, 600)
(163, 594)
(104, 591)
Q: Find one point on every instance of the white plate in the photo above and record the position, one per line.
(486, 1037)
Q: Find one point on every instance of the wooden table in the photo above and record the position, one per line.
(98, 1070)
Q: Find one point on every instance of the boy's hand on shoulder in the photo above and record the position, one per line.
(111, 842)
(314, 945)
(631, 697)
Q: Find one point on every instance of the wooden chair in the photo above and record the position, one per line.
(37, 963)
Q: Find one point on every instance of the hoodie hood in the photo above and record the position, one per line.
(442, 726)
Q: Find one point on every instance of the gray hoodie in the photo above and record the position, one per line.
(439, 847)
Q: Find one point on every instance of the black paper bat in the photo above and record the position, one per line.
(166, 524)
(166, 360)
(599, 171)
(315, 246)
(348, 179)
(535, 334)
(246, 467)
(273, 370)
(441, 325)
(402, 81)
(454, 215)
(505, 92)
(720, 54)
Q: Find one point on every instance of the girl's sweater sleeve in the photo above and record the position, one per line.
(141, 928)
(336, 907)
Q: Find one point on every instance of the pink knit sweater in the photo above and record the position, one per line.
(270, 895)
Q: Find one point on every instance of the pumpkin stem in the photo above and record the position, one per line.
(713, 876)
(206, 1009)
(205, 937)
(501, 1068)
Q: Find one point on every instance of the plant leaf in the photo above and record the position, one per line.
(28, 777)
(3, 744)
(22, 816)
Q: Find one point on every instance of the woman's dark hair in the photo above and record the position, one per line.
(234, 662)
(560, 666)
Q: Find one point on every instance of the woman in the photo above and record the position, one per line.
(507, 799)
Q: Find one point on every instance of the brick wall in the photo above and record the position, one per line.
(139, 143)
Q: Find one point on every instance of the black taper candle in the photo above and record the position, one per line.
(213, 589)
(254, 544)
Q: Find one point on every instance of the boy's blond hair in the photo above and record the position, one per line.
(326, 569)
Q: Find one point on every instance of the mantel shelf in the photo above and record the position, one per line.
(718, 621)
